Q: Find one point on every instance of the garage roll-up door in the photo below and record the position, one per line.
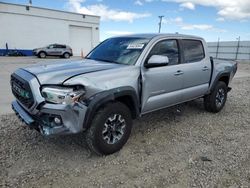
(80, 38)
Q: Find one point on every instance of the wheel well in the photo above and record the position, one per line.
(224, 79)
(129, 102)
(126, 97)
(42, 52)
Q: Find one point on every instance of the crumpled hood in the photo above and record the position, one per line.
(58, 72)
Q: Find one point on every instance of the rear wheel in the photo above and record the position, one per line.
(110, 129)
(66, 55)
(215, 101)
(42, 54)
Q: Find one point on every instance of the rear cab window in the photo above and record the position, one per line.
(193, 50)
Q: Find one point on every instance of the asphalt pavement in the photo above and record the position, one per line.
(7, 66)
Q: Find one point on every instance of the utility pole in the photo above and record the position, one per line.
(160, 17)
(238, 46)
(217, 49)
(29, 5)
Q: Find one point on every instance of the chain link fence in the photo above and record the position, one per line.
(237, 50)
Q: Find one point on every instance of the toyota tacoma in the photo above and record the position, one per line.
(121, 79)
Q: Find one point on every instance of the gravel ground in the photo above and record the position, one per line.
(193, 148)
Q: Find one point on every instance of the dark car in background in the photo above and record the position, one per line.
(59, 50)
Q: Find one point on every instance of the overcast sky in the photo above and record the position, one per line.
(210, 19)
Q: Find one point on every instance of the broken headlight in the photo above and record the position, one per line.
(62, 95)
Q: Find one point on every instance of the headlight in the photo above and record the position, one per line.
(62, 95)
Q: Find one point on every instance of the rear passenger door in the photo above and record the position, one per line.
(60, 49)
(196, 68)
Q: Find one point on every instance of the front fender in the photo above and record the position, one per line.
(104, 97)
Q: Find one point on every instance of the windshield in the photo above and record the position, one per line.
(49, 46)
(122, 50)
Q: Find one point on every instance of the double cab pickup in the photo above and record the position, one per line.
(121, 79)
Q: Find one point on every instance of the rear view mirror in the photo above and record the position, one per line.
(157, 61)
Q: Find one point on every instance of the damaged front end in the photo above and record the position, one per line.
(54, 119)
(50, 109)
(61, 119)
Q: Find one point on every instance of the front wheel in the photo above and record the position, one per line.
(42, 55)
(215, 101)
(110, 129)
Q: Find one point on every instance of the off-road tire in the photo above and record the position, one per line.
(94, 135)
(210, 100)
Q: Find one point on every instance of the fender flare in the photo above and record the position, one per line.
(102, 98)
(220, 75)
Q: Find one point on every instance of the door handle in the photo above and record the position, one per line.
(205, 68)
(179, 72)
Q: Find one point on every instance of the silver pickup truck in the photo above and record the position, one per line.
(121, 79)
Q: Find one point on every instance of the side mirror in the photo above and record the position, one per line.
(157, 61)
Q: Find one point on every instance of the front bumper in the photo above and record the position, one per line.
(22, 114)
(34, 53)
(41, 115)
(71, 118)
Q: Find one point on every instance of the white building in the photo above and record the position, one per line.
(27, 27)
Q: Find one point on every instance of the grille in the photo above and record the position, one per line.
(21, 90)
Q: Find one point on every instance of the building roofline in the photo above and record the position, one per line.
(50, 9)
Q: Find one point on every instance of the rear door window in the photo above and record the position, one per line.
(193, 51)
(60, 46)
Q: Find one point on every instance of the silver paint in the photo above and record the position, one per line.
(161, 86)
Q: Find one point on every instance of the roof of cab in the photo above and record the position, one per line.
(161, 35)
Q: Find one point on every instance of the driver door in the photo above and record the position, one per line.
(162, 86)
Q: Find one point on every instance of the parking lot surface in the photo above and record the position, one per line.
(7, 66)
(191, 148)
